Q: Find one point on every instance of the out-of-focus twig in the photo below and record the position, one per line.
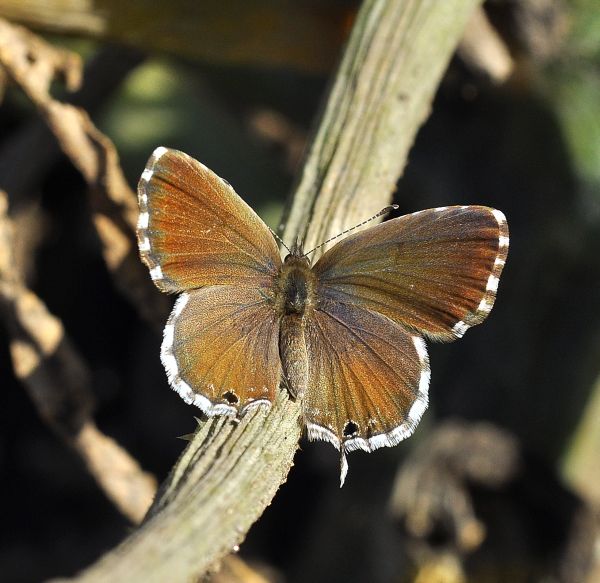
(275, 129)
(58, 381)
(581, 463)
(459, 500)
(430, 488)
(304, 35)
(535, 30)
(33, 146)
(33, 64)
(484, 51)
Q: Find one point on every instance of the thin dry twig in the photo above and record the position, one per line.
(57, 380)
(33, 65)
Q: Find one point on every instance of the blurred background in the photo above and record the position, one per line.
(501, 481)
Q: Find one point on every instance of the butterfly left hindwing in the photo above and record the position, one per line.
(220, 349)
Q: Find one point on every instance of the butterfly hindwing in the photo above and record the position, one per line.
(220, 349)
(434, 271)
(368, 379)
(194, 230)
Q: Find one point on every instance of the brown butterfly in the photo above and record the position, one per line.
(346, 334)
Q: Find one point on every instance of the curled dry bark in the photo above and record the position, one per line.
(52, 371)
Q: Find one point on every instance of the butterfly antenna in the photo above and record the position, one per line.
(383, 211)
(279, 239)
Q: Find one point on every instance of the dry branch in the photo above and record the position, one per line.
(230, 471)
(57, 381)
(305, 35)
(33, 65)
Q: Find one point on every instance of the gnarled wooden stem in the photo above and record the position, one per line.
(230, 471)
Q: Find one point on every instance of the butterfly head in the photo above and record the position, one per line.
(297, 251)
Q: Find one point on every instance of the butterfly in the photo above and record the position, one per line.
(346, 335)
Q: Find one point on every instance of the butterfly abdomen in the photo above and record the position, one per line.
(295, 300)
(293, 354)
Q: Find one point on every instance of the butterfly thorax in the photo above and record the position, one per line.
(296, 286)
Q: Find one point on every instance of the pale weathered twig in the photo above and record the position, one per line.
(231, 470)
(57, 381)
(33, 64)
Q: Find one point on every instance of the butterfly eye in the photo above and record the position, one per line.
(350, 429)
(231, 397)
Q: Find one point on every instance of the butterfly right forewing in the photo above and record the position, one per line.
(434, 271)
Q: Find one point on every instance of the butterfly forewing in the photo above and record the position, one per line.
(368, 378)
(435, 271)
(220, 349)
(194, 230)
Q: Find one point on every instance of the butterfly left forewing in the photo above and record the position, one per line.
(368, 379)
(435, 271)
(194, 230)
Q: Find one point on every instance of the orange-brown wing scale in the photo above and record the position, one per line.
(368, 379)
(194, 230)
(434, 271)
(220, 349)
